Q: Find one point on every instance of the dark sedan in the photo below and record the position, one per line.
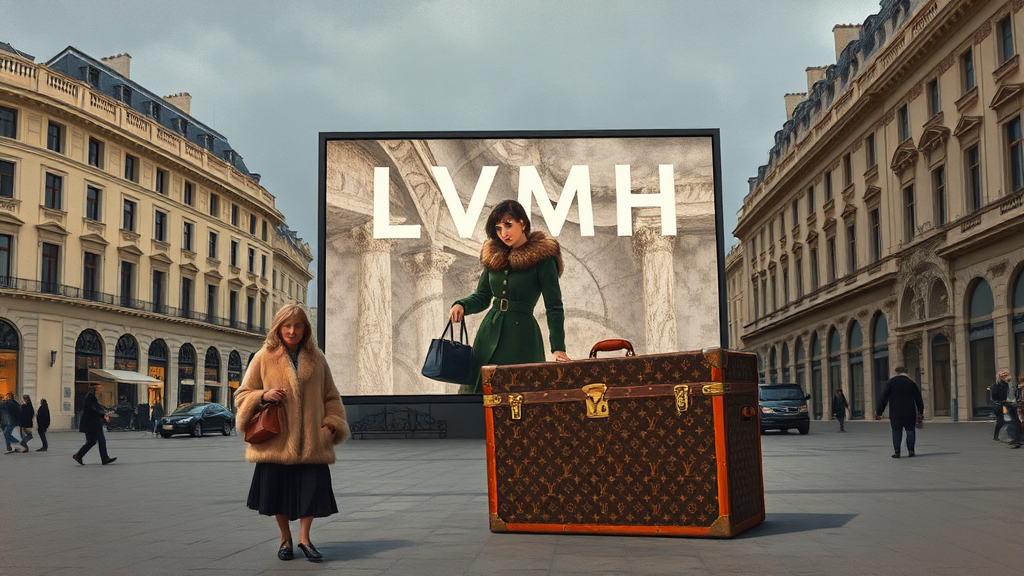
(196, 419)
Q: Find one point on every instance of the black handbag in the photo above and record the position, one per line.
(450, 360)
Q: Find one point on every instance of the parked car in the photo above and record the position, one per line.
(196, 419)
(783, 406)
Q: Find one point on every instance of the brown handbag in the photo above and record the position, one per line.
(265, 424)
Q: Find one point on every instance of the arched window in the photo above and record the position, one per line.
(212, 375)
(9, 349)
(981, 346)
(158, 354)
(940, 376)
(786, 374)
(186, 374)
(880, 353)
(835, 368)
(126, 357)
(88, 354)
(1018, 323)
(856, 371)
(801, 361)
(773, 372)
(234, 376)
(816, 377)
(760, 367)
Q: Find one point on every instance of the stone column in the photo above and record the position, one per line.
(375, 364)
(429, 310)
(654, 252)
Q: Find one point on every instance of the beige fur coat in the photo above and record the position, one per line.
(310, 402)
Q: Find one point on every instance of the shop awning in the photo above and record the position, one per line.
(126, 376)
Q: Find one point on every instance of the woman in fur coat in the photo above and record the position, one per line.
(519, 267)
(292, 480)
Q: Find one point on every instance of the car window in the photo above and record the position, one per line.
(786, 393)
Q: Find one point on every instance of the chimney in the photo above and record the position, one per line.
(814, 74)
(844, 34)
(182, 101)
(792, 99)
(121, 63)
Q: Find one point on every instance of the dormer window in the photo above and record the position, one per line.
(123, 93)
(153, 110)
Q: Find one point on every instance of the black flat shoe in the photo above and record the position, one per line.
(285, 551)
(311, 553)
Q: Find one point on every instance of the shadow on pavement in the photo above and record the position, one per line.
(790, 523)
(363, 549)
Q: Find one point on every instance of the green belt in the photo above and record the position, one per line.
(506, 305)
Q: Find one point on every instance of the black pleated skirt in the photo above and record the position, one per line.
(297, 490)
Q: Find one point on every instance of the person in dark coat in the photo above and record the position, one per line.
(905, 408)
(1000, 391)
(839, 406)
(9, 421)
(43, 422)
(26, 416)
(519, 267)
(94, 415)
(156, 414)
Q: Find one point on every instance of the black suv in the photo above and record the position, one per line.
(783, 406)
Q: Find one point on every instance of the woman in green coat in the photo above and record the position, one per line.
(519, 266)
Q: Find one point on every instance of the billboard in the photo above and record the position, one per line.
(637, 215)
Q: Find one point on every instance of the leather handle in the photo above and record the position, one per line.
(611, 346)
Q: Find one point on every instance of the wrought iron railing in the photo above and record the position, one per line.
(75, 293)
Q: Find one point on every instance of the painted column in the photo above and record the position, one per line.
(654, 252)
(429, 310)
(375, 365)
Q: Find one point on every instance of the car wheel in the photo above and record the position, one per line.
(226, 430)
(166, 434)
(804, 429)
(198, 430)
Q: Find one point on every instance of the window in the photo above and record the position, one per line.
(55, 137)
(6, 179)
(757, 302)
(934, 104)
(6, 244)
(159, 291)
(263, 313)
(939, 191)
(123, 93)
(8, 122)
(252, 261)
(128, 219)
(1005, 39)
(211, 251)
(782, 224)
(274, 283)
(160, 226)
(827, 180)
(211, 302)
(160, 185)
(1016, 150)
(263, 265)
(909, 220)
(798, 275)
(847, 171)
(129, 167)
(815, 277)
(851, 245)
(127, 284)
(188, 195)
(93, 203)
(973, 157)
(771, 234)
(91, 276)
(967, 70)
(233, 254)
(93, 75)
(785, 286)
(214, 205)
(54, 191)
(830, 248)
(50, 271)
(796, 212)
(233, 307)
(263, 234)
(153, 110)
(234, 215)
(870, 156)
(875, 221)
(186, 297)
(903, 117)
(96, 153)
(187, 235)
(252, 224)
(250, 311)
(810, 201)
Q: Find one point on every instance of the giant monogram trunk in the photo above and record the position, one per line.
(663, 444)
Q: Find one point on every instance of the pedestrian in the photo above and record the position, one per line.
(43, 422)
(26, 416)
(1007, 411)
(906, 408)
(156, 414)
(839, 406)
(519, 266)
(292, 480)
(1000, 392)
(9, 421)
(94, 415)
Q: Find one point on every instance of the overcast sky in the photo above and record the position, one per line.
(270, 75)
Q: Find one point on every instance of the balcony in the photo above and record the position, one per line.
(23, 285)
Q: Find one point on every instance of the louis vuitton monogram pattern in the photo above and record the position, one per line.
(744, 455)
(645, 465)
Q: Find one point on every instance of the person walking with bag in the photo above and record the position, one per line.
(94, 416)
(26, 415)
(9, 413)
(43, 422)
(906, 407)
(839, 406)
(292, 480)
(1000, 391)
(519, 267)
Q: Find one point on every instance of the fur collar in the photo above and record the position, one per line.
(539, 246)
